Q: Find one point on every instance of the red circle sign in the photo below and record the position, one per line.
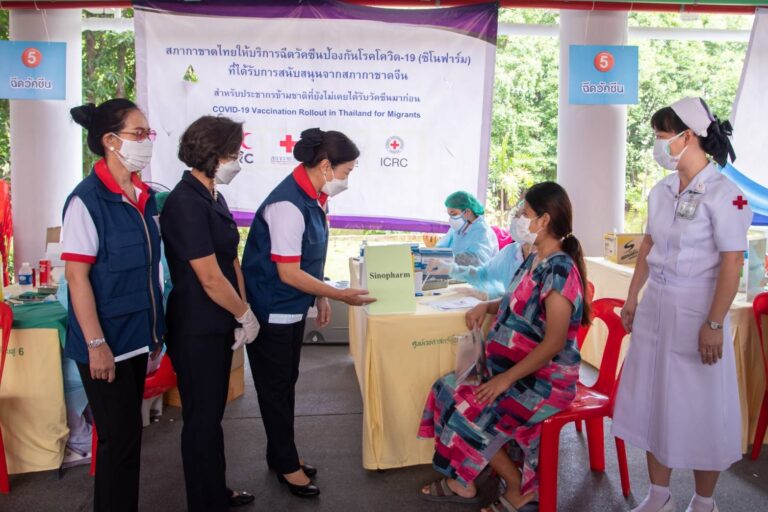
(31, 57)
(604, 62)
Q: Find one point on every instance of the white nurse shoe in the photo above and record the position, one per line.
(669, 506)
(714, 508)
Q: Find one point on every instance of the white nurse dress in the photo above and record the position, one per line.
(669, 403)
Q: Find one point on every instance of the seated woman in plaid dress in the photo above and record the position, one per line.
(532, 365)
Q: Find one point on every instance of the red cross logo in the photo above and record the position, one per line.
(740, 202)
(394, 145)
(288, 143)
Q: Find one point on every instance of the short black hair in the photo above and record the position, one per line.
(109, 117)
(316, 145)
(208, 140)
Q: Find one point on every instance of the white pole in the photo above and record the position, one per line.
(46, 154)
(591, 139)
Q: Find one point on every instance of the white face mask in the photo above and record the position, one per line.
(227, 172)
(457, 222)
(662, 153)
(134, 155)
(523, 233)
(336, 186)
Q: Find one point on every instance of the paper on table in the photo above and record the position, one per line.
(453, 304)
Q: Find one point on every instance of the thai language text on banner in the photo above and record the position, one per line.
(412, 88)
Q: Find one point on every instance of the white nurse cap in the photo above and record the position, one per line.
(694, 114)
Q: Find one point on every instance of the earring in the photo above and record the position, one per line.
(111, 148)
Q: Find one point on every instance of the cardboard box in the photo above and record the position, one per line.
(238, 358)
(622, 248)
(236, 389)
(236, 381)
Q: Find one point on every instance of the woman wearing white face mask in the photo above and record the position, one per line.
(111, 246)
(208, 316)
(283, 267)
(490, 280)
(678, 397)
(471, 238)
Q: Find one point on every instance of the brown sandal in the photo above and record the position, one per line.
(440, 492)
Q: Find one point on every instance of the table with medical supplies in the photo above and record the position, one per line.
(397, 358)
(612, 280)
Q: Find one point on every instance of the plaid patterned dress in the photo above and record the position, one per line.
(467, 434)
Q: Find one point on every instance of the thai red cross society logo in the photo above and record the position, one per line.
(284, 151)
(287, 143)
(395, 145)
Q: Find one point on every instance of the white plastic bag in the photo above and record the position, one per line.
(470, 358)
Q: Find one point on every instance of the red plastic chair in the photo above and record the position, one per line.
(760, 308)
(589, 297)
(156, 383)
(6, 324)
(591, 405)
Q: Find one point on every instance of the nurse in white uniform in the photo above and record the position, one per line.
(678, 397)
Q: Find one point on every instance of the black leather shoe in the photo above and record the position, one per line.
(310, 471)
(309, 490)
(240, 499)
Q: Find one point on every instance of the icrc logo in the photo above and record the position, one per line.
(246, 153)
(395, 145)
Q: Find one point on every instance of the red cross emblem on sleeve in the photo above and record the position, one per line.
(740, 203)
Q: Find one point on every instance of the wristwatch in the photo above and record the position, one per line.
(714, 325)
(96, 343)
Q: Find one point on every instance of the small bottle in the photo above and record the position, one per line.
(362, 248)
(25, 277)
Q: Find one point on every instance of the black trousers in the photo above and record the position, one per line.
(274, 357)
(203, 366)
(116, 409)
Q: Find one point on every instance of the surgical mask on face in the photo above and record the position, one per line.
(335, 187)
(134, 155)
(523, 231)
(227, 172)
(662, 153)
(457, 222)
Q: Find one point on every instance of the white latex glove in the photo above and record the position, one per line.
(240, 339)
(439, 266)
(468, 290)
(250, 325)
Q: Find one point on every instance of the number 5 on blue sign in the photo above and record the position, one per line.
(602, 75)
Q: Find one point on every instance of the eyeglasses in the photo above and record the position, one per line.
(141, 134)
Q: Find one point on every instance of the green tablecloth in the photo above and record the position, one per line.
(41, 315)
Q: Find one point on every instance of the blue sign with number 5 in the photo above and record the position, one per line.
(33, 70)
(602, 75)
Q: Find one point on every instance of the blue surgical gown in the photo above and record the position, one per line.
(494, 277)
(475, 244)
